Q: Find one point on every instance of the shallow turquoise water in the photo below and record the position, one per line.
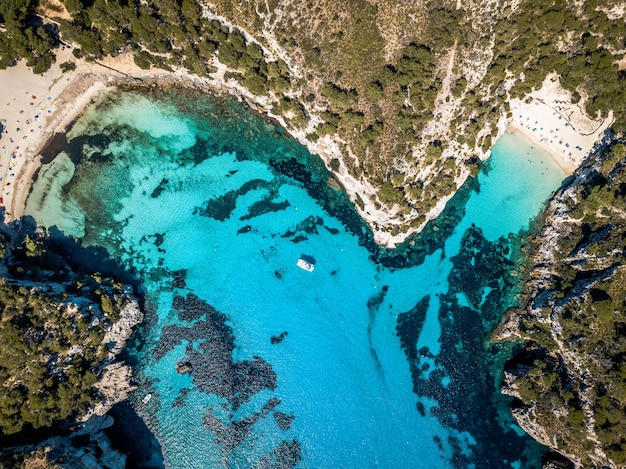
(374, 359)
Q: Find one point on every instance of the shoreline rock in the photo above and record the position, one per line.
(564, 380)
(55, 276)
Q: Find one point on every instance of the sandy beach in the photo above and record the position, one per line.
(36, 107)
(557, 126)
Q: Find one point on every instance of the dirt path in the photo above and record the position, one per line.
(445, 84)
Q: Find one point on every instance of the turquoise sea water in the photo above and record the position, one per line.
(375, 359)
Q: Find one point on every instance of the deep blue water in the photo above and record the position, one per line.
(375, 359)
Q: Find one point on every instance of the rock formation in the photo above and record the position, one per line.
(568, 380)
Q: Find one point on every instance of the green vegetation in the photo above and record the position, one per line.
(581, 312)
(373, 74)
(52, 325)
(22, 37)
(533, 46)
(36, 392)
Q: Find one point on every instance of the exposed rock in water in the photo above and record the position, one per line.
(244, 229)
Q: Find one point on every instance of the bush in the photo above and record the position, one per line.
(68, 66)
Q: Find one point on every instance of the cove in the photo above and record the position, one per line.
(375, 359)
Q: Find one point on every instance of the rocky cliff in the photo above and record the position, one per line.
(66, 314)
(569, 378)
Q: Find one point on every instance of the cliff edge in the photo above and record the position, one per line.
(569, 378)
(63, 325)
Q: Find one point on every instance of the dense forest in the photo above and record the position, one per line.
(375, 76)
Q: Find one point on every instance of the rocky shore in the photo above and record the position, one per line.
(69, 284)
(566, 380)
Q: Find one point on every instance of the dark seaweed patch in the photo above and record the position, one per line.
(202, 150)
(158, 239)
(178, 278)
(468, 398)
(229, 436)
(264, 206)
(373, 305)
(307, 226)
(286, 456)
(191, 307)
(270, 405)
(75, 147)
(409, 325)
(53, 147)
(213, 369)
(209, 361)
(221, 208)
(283, 420)
(159, 189)
(277, 339)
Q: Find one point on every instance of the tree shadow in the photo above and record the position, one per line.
(70, 250)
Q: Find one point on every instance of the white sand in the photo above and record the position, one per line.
(34, 107)
(557, 126)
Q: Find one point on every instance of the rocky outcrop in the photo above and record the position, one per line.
(568, 379)
(114, 386)
(75, 314)
(89, 448)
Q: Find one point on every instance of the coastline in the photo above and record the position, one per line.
(34, 109)
(568, 167)
(38, 107)
(551, 121)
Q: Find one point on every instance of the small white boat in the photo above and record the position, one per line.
(306, 265)
(146, 399)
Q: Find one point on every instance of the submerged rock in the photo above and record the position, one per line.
(277, 339)
(183, 367)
